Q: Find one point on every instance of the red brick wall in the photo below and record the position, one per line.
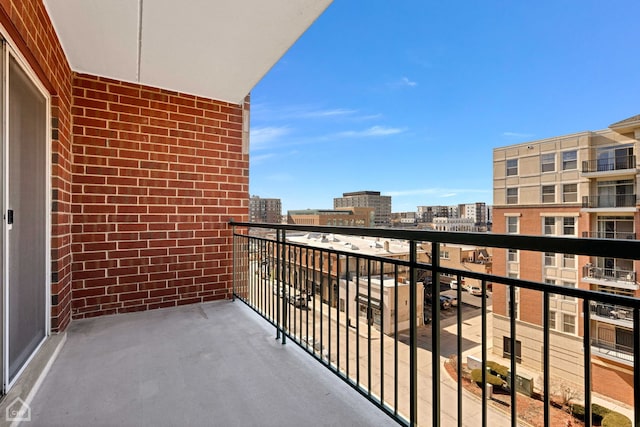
(30, 29)
(613, 380)
(156, 177)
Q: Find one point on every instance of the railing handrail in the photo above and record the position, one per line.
(612, 248)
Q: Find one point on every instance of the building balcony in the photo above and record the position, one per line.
(611, 313)
(609, 203)
(620, 165)
(302, 344)
(618, 277)
(613, 351)
(609, 235)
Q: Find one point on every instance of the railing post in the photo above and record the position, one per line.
(284, 301)
(435, 330)
(413, 338)
(636, 367)
(234, 275)
(587, 363)
(277, 280)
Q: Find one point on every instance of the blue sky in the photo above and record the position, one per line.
(410, 97)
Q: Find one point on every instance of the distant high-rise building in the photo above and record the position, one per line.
(367, 199)
(265, 210)
(475, 211)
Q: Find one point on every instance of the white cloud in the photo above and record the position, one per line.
(261, 158)
(407, 82)
(261, 137)
(517, 135)
(438, 192)
(325, 113)
(372, 131)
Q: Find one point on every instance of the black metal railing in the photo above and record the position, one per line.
(362, 313)
(609, 235)
(612, 274)
(609, 201)
(607, 165)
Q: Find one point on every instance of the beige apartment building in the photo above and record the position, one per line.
(578, 185)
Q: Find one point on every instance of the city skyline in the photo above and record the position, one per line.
(406, 102)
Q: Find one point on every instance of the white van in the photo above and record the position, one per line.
(453, 284)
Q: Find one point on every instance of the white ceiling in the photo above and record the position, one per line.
(217, 49)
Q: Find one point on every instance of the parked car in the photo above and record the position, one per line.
(453, 284)
(475, 290)
(452, 300)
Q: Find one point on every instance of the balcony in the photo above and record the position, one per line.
(609, 350)
(612, 313)
(609, 276)
(609, 235)
(618, 165)
(321, 354)
(613, 203)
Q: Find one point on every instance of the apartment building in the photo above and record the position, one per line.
(348, 217)
(369, 199)
(582, 185)
(265, 210)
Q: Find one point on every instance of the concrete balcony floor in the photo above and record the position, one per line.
(214, 364)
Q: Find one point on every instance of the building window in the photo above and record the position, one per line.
(548, 162)
(512, 167)
(549, 259)
(568, 285)
(569, 323)
(512, 255)
(570, 193)
(506, 349)
(552, 319)
(569, 226)
(512, 196)
(512, 225)
(444, 254)
(568, 261)
(549, 225)
(569, 160)
(548, 193)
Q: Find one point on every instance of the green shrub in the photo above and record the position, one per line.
(498, 369)
(615, 419)
(476, 375)
(597, 412)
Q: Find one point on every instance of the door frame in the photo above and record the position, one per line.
(9, 50)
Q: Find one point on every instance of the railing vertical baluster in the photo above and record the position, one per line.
(234, 269)
(435, 326)
(395, 342)
(347, 319)
(484, 352)
(587, 362)
(381, 332)
(277, 285)
(330, 304)
(459, 347)
(357, 297)
(282, 283)
(306, 290)
(337, 312)
(546, 363)
(513, 355)
(314, 291)
(321, 307)
(369, 321)
(636, 367)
